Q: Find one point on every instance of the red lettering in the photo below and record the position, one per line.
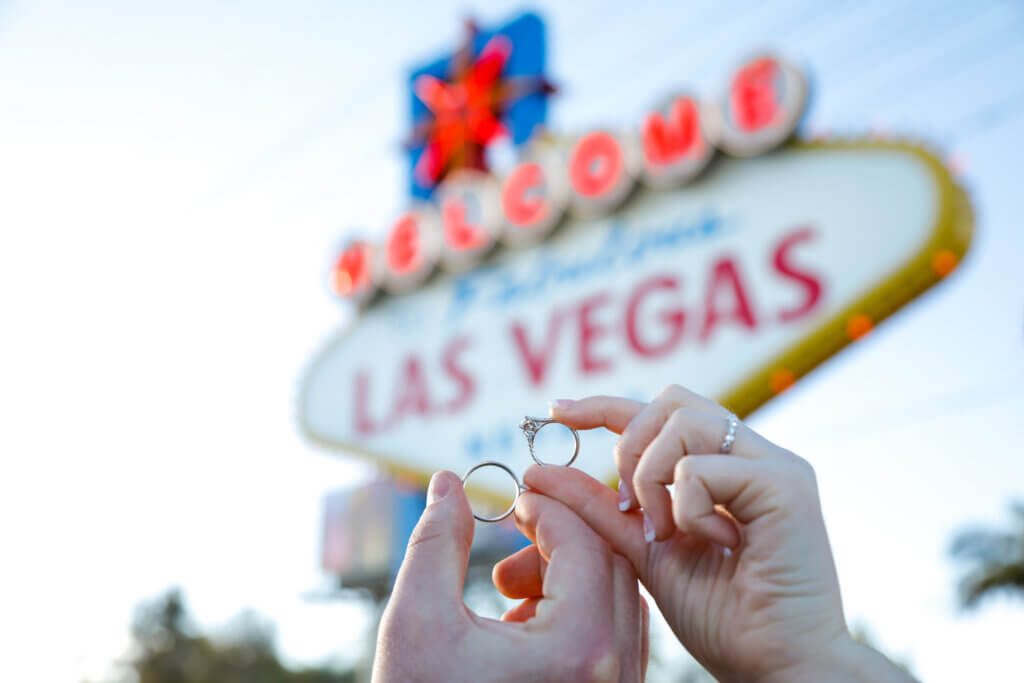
(361, 405)
(596, 164)
(671, 140)
(449, 361)
(809, 282)
(403, 247)
(411, 395)
(752, 97)
(674, 319)
(725, 278)
(590, 332)
(536, 361)
(459, 234)
(520, 210)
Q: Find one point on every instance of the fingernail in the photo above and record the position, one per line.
(648, 529)
(560, 404)
(439, 488)
(623, 495)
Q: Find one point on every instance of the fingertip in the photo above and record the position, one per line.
(446, 499)
(535, 476)
(519, 575)
(498, 574)
(725, 532)
(524, 611)
(442, 484)
(656, 505)
(611, 412)
(558, 406)
(625, 498)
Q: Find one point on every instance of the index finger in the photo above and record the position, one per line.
(611, 412)
(596, 505)
(580, 568)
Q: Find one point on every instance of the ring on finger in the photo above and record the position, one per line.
(730, 434)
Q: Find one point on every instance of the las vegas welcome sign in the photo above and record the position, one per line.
(704, 248)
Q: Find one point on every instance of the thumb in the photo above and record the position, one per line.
(434, 567)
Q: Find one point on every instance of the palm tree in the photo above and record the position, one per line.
(995, 559)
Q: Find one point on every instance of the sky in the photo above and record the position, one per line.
(175, 178)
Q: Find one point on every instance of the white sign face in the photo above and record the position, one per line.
(706, 286)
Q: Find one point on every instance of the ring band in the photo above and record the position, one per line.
(532, 425)
(730, 435)
(515, 499)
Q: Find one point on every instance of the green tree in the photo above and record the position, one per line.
(994, 559)
(167, 649)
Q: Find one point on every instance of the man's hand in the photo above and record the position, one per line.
(581, 617)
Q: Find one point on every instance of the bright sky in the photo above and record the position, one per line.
(174, 178)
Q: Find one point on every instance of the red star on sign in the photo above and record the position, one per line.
(467, 110)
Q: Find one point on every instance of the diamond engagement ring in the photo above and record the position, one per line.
(532, 425)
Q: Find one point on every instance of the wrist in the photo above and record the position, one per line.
(844, 660)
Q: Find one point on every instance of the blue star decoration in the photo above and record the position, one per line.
(492, 88)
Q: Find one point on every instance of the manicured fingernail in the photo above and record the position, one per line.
(623, 495)
(439, 488)
(648, 529)
(560, 404)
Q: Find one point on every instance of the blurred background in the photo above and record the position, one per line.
(175, 179)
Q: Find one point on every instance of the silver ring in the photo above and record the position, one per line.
(532, 425)
(730, 434)
(515, 499)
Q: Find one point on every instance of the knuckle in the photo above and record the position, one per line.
(427, 531)
(621, 451)
(644, 473)
(802, 469)
(681, 518)
(683, 469)
(680, 416)
(672, 391)
(528, 507)
(629, 445)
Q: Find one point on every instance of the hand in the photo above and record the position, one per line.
(737, 559)
(581, 619)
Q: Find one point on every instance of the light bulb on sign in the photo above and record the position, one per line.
(602, 169)
(534, 196)
(411, 250)
(352, 277)
(470, 218)
(675, 142)
(762, 107)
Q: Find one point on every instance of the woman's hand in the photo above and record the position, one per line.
(737, 558)
(581, 617)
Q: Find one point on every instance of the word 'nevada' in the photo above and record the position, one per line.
(759, 111)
